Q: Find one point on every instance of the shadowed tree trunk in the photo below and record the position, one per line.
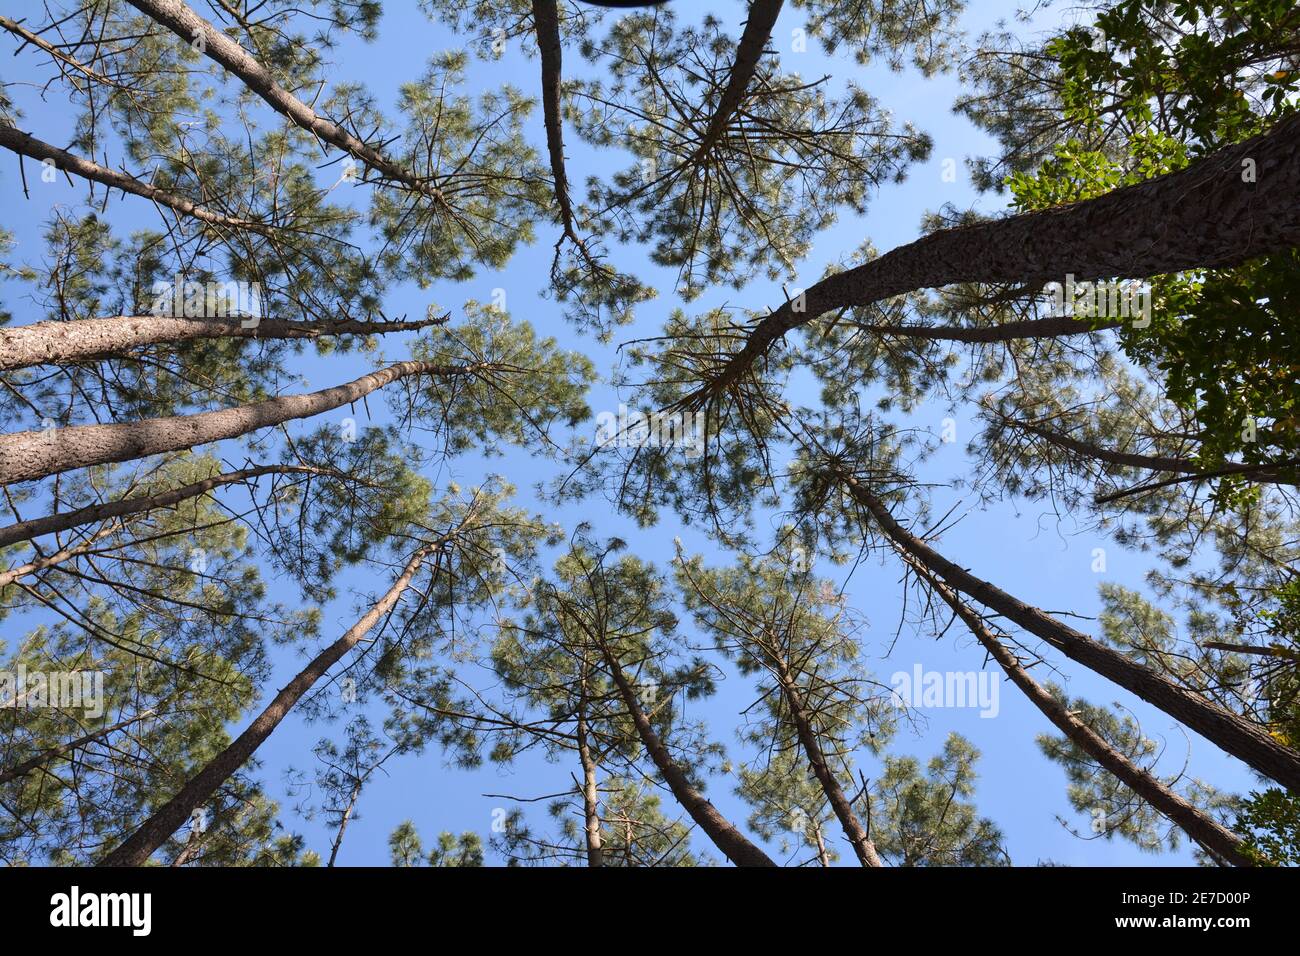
(137, 848)
(1205, 830)
(749, 50)
(28, 455)
(863, 847)
(1204, 216)
(1243, 739)
(724, 834)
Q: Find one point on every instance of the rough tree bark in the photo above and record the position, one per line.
(1204, 216)
(1205, 830)
(1232, 733)
(863, 846)
(57, 343)
(725, 836)
(25, 456)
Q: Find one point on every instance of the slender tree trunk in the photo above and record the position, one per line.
(137, 848)
(1204, 216)
(1243, 739)
(26, 145)
(1202, 828)
(823, 857)
(50, 560)
(58, 343)
(725, 836)
(1053, 327)
(863, 847)
(749, 50)
(1182, 466)
(590, 796)
(63, 520)
(343, 823)
(188, 25)
(25, 456)
(546, 19)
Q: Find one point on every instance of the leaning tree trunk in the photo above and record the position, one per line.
(189, 26)
(863, 846)
(137, 848)
(59, 343)
(25, 456)
(1217, 839)
(25, 144)
(63, 520)
(725, 836)
(1243, 739)
(1236, 204)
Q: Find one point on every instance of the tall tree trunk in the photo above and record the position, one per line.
(189, 26)
(58, 343)
(137, 848)
(343, 823)
(590, 796)
(25, 456)
(63, 520)
(749, 50)
(1202, 828)
(1204, 216)
(725, 836)
(863, 847)
(1243, 739)
(25, 144)
(546, 19)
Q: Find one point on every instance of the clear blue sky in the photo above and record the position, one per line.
(1041, 560)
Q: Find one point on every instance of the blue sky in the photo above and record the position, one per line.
(1041, 559)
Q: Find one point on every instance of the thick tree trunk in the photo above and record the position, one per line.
(733, 844)
(1205, 216)
(1230, 732)
(189, 26)
(25, 456)
(137, 848)
(26, 145)
(1205, 830)
(59, 343)
(63, 520)
(863, 847)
